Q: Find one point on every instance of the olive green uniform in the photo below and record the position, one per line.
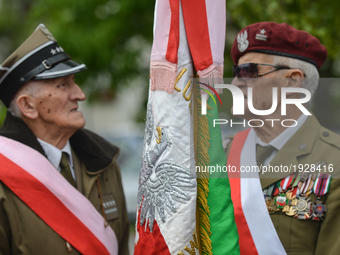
(23, 232)
(311, 144)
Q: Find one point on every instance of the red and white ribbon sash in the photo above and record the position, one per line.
(42, 188)
(257, 234)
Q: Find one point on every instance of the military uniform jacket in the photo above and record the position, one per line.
(310, 144)
(23, 232)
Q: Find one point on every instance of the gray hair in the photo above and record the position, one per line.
(30, 88)
(312, 75)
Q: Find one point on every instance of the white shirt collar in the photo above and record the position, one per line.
(282, 138)
(54, 154)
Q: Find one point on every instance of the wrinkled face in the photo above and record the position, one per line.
(57, 104)
(262, 87)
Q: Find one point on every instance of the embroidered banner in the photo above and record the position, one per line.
(189, 36)
(166, 213)
(42, 188)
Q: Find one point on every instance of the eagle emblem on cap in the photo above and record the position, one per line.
(242, 42)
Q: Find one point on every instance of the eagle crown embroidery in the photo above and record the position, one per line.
(242, 42)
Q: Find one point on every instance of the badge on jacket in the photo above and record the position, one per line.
(110, 207)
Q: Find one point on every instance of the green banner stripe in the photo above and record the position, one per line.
(224, 235)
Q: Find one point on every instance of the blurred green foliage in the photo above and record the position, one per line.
(113, 38)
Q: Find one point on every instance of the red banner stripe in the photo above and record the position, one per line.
(246, 242)
(173, 43)
(49, 208)
(196, 26)
(151, 243)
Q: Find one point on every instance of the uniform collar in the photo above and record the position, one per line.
(279, 141)
(92, 150)
(54, 154)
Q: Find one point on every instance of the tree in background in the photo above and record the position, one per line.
(111, 37)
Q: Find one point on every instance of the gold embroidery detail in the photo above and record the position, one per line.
(179, 76)
(185, 91)
(159, 130)
(193, 244)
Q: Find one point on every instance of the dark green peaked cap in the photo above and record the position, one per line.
(38, 58)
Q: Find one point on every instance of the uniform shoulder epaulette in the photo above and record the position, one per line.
(329, 137)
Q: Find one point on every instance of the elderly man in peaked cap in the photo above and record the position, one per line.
(60, 186)
(293, 207)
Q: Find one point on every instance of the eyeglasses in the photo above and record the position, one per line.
(250, 70)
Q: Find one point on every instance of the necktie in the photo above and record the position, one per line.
(262, 153)
(65, 169)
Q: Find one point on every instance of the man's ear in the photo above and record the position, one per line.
(295, 77)
(27, 105)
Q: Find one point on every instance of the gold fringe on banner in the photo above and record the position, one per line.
(202, 144)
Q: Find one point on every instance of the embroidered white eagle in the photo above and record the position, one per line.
(162, 184)
(242, 42)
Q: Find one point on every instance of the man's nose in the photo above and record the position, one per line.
(77, 93)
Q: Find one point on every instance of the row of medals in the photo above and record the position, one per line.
(300, 207)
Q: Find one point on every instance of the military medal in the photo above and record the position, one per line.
(281, 201)
(286, 208)
(270, 191)
(291, 211)
(270, 208)
(303, 208)
(301, 205)
(297, 180)
(319, 210)
(295, 201)
(306, 184)
(321, 184)
(287, 182)
(304, 177)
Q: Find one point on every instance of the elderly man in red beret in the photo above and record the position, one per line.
(293, 207)
(60, 185)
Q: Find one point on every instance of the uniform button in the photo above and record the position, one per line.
(325, 134)
(302, 146)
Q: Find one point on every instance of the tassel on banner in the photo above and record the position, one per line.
(203, 181)
(212, 75)
(163, 75)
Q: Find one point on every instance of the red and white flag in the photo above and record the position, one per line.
(188, 35)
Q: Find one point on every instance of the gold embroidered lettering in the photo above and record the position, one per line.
(185, 91)
(179, 76)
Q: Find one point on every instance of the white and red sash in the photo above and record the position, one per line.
(42, 188)
(257, 234)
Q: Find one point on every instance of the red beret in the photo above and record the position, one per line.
(279, 39)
